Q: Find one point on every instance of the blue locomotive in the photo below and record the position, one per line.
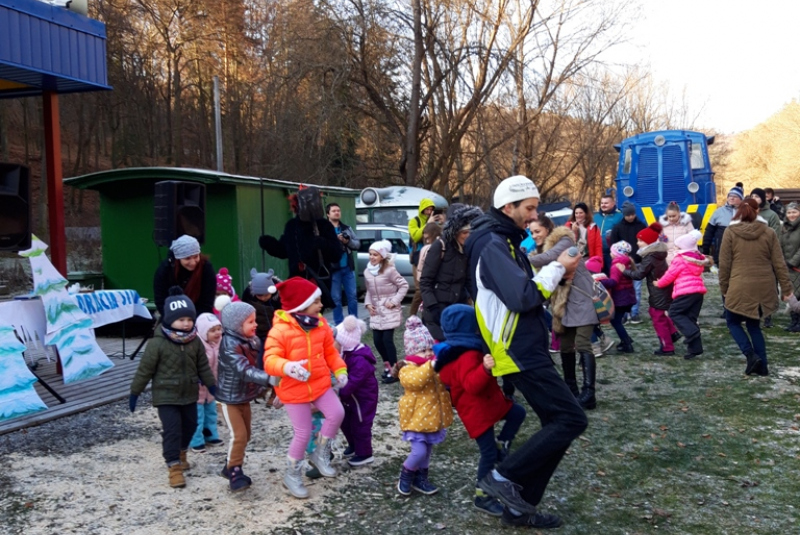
(656, 168)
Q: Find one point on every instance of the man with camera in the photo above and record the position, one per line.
(343, 275)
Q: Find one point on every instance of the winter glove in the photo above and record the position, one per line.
(341, 381)
(436, 313)
(212, 390)
(295, 370)
(132, 402)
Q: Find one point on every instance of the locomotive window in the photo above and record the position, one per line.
(696, 157)
(626, 165)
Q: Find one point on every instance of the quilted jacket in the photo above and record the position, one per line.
(240, 378)
(425, 406)
(685, 273)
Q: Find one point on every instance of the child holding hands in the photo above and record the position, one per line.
(176, 362)
(622, 292)
(241, 381)
(425, 409)
(476, 395)
(300, 351)
(209, 330)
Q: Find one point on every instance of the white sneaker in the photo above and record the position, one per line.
(606, 343)
(597, 350)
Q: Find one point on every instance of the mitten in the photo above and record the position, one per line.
(341, 380)
(132, 402)
(212, 390)
(295, 370)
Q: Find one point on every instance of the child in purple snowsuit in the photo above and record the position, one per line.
(359, 396)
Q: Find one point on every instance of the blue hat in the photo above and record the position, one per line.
(736, 190)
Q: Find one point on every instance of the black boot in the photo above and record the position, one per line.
(568, 365)
(768, 322)
(794, 327)
(753, 363)
(626, 346)
(587, 399)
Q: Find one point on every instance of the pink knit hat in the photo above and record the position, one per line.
(595, 264)
(225, 282)
(688, 242)
(349, 332)
(417, 338)
(621, 248)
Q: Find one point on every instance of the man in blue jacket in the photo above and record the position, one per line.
(605, 219)
(508, 303)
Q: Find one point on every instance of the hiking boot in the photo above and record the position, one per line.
(421, 484)
(293, 479)
(239, 481)
(753, 363)
(487, 504)
(225, 472)
(507, 492)
(676, 336)
(185, 465)
(532, 520)
(358, 460)
(321, 458)
(404, 483)
(176, 480)
(662, 353)
(763, 371)
(635, 319)
(198, 449)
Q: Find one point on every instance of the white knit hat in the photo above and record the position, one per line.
(382, 247)
(688, 242)
(513, 189)
(349, 332)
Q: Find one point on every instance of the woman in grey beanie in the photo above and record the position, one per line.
(187, 268)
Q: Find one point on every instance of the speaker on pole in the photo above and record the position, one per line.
(15, 207)
(180, 208)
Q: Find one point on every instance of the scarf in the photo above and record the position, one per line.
(374, 269)
(179, 337)
(305, 321)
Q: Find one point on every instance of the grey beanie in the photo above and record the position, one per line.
(235, 314)
(184, 247)
(793, 206)
(262, 283)
(177, 306)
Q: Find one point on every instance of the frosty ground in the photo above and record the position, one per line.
(674, 447)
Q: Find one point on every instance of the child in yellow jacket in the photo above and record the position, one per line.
(300, 350)
(425, 409)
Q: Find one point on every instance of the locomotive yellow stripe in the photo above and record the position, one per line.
(692, 208)
(647, 212)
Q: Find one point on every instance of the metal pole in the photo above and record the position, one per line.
(218, 123)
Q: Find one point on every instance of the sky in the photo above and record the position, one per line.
(738, 61)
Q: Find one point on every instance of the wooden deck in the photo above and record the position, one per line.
(111, 386)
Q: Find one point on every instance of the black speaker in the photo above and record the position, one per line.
(15, 207)
(180, 208)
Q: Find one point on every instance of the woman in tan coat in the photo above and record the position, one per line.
(751, 265)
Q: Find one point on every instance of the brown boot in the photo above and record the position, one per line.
(184, 463)
(176, 479)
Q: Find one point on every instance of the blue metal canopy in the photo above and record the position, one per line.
(49, 48)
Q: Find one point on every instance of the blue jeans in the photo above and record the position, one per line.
(206, 418)
(637, 287)
(344, 278)
(755, 342)
(487, 443)
(562, 420)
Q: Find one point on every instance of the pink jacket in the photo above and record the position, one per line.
(670, 232)
(384, 288)
(686, 271)
(204, 324)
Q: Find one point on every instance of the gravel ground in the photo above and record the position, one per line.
(101, 472)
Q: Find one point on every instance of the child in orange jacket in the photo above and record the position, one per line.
(300, 351)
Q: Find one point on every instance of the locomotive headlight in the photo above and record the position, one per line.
(693, 187)
(627, 191)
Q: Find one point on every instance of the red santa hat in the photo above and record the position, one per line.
(297, 294)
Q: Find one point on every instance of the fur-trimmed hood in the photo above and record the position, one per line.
(655, 247)
(461, 217)
(556, 236)
(684, 220)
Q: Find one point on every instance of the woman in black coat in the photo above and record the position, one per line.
(187, 268)
(446, 270)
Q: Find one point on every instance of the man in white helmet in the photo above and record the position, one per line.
(508, 302)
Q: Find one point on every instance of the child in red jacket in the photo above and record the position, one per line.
(477, 397)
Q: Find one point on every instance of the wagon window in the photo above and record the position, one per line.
(626, 165)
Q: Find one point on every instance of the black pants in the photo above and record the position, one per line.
(684, 312)
(179, 423)
(384, 343)
(533, 463)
